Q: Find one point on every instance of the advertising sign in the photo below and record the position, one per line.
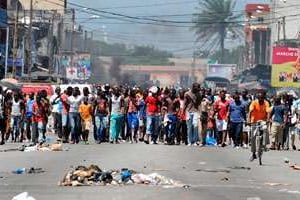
(286, 67)
(222, 70)
(81, 68)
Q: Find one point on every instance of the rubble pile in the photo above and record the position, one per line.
(93, 175)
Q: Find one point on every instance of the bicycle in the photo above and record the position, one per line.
(258, 132)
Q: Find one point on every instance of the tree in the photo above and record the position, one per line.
(215, 21)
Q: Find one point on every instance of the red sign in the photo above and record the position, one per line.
(27, 89)
(285, 54)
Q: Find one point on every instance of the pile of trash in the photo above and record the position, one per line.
(93, 175)
(42, 147)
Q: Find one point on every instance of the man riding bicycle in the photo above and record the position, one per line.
(258, 111)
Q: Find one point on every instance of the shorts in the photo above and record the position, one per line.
(295, 130)
(132, 120)
(246, 129)
(86, 125)
(221, 125)
(142, 122)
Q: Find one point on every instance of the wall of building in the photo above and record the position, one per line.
(43, 5)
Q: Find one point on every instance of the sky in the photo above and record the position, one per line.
(178, 39)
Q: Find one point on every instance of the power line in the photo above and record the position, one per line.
(149, 5)
(157, 21)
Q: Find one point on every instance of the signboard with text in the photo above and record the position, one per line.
(286, 67)
(221, 70)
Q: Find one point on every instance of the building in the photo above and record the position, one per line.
(46, 34)
(57, 5)
(257, 34)
(3, 25)
(181, 72)
(286, 24)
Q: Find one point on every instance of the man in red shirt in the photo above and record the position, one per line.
(65, 111)
(153, 108)
(38, 120)
(221, 108)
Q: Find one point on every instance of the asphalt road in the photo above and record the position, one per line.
(181, 163)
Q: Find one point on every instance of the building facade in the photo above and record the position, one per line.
(257, 34)
(3, 45)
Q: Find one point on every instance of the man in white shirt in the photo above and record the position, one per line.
(56, 104)
(74, 101)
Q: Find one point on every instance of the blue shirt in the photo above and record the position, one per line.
(29, 106)
(277, 113)
(237, 112)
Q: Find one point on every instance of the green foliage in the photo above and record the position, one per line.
(214, 21)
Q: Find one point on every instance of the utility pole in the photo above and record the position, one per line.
(30, 40)
(278, 31)
(15, 44)
(72, 41)
(283, 28)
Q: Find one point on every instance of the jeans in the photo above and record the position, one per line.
(116, 122)
(57, 120)
(152, 126)
(181, 132)
(236, 130)
(171, 127)
(28, 129)
(38, 132)
(101, 122)
(75, 126)
(15, 125)
(192, 127)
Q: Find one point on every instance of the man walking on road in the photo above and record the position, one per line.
(192, 100)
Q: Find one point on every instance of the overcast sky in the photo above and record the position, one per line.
(179, 40)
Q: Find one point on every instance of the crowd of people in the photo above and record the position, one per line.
(156, 115)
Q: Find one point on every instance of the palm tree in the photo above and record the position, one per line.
(213, 22)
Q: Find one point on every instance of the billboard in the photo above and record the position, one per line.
(81, 68)
(222, 70)
(286, 67)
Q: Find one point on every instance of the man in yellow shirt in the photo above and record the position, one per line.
(258, 111)
(86, 111)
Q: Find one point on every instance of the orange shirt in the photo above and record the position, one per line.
(259, 112)
(85, 111)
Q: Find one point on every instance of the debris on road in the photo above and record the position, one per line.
(213, 170)
(23, 196)
(160, 170)
(31, 170)
(93, 175)
(295, 167)
(240, 167)
(43, 147)
(225, 179)
(277, 184)
(286, 160)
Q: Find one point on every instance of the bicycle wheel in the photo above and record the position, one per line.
(259, 147)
